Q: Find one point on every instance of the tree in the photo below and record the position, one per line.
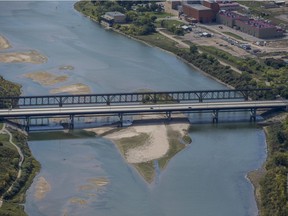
(193, 49)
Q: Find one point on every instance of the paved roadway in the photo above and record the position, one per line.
(151, 108)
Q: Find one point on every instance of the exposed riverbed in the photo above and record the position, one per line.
(88, 175)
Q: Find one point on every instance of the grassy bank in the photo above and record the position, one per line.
(273, 185)
(13, 198)
(9, 159)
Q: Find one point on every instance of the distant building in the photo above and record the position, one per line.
(114, 17)
(228, 5)
(279, 2)
(172, 7)
(204, 13)
(256, 28)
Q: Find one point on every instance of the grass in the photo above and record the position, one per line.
(160, 41)
(125, 144)
(174, 22)
(9, 167)
(220, 54)
(175, 146)
(146, 170)
(12, 209)
(159, 15)
(234, 36)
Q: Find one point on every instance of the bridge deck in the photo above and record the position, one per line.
(136, 108)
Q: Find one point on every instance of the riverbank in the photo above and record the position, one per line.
(18, 166)
(18, 173)
(257, 176)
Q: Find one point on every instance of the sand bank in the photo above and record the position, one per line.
(155, 147)
(78, 88)
(4, 44)
(41, 188)
(23, 57)
(46, 78)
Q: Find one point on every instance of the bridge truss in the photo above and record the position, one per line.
(137, 97)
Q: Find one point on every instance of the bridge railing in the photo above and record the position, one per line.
(137, 97)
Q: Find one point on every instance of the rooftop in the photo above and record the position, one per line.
(197, 6)
(114, 13)
(252, 22)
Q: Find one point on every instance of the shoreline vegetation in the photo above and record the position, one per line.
(254, 75)
(15, 180)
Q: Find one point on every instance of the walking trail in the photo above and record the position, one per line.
(5, 131)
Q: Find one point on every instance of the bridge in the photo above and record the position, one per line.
(136, 97)
(70, 106)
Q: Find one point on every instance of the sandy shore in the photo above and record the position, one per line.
(4, 44)
(45, 78)
(155, 147)
(23, 57)
(41, 188)
(78, 88)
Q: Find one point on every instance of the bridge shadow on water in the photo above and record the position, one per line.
(191, 118)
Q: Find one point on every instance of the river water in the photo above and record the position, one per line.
(207, 178)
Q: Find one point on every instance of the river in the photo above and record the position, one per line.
(207, 178)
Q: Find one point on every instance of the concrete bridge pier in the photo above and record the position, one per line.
(71, 124)
(120, 119)
(215, 116)
(27, 124)
(168, 115)
(253, 115)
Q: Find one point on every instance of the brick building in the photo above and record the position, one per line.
(228, 5)
(256, 28)
(172, 7)
(113, 17)
(204, 13)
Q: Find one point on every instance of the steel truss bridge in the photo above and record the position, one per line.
(71, 106)
(137, 97)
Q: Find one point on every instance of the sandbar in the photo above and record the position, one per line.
(78, 88)
(41, 188)
(153, 148)
(4, 44)
(23, 57)
(46, 78)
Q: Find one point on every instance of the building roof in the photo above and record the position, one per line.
(198, 6)
(252, 22)
(114, 13)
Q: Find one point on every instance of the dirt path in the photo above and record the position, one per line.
(5, 131)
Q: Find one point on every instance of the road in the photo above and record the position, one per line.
(141, 108)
